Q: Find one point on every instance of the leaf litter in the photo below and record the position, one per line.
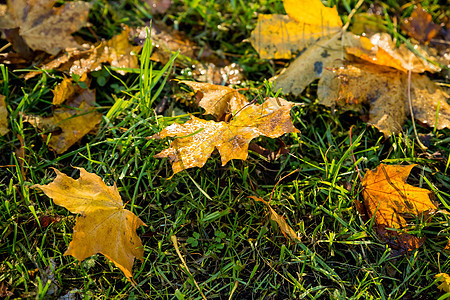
(344, 62)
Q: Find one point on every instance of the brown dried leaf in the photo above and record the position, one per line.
(282, 224)
(117, 51)
(104, 226)
(385, 90)
(44, 27)
(420, 26)
(390, 200)
(218, 100)
(69, 124)
(3, 116)
(198, 138)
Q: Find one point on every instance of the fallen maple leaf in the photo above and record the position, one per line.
(3, 116)
(103, 226)
(445, 282)
(70, 123)
(282, 36)
(44, 27)
(389, 199)
(274, 216)
(386, 92)
(218, 100)
(420, 25)
(196, 139)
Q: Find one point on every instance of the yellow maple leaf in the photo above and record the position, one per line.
(281, 36)
(389, 199)
(198, 138)
(445, 282)
(103, 226)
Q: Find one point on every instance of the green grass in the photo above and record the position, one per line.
(230, 245)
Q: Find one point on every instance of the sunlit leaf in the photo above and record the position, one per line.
(103, 225)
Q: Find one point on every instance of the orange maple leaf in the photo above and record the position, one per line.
(198, 138)
(103, 226)
(389, 199)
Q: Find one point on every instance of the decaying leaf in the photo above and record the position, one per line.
(389, 200)
(118, 52)
(44, 27)
(445, 282)
(218, 100)
(103, 226)
(274, 216)
(282, 36)
(196, 139)
(3, 116)
(385, 90)
(69, 123)
(420, 26)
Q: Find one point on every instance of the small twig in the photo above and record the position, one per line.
(4, 47)
(412, 113)
(350, 16)
(175, 244)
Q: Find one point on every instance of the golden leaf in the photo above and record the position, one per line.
(445, 282)
(281, 36)
(196, 139)
(389, 199)
(218, 100)
(3, 116)
(103, 225)
(274, 216)
(43, 27)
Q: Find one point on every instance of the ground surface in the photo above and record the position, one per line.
(228, 242)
